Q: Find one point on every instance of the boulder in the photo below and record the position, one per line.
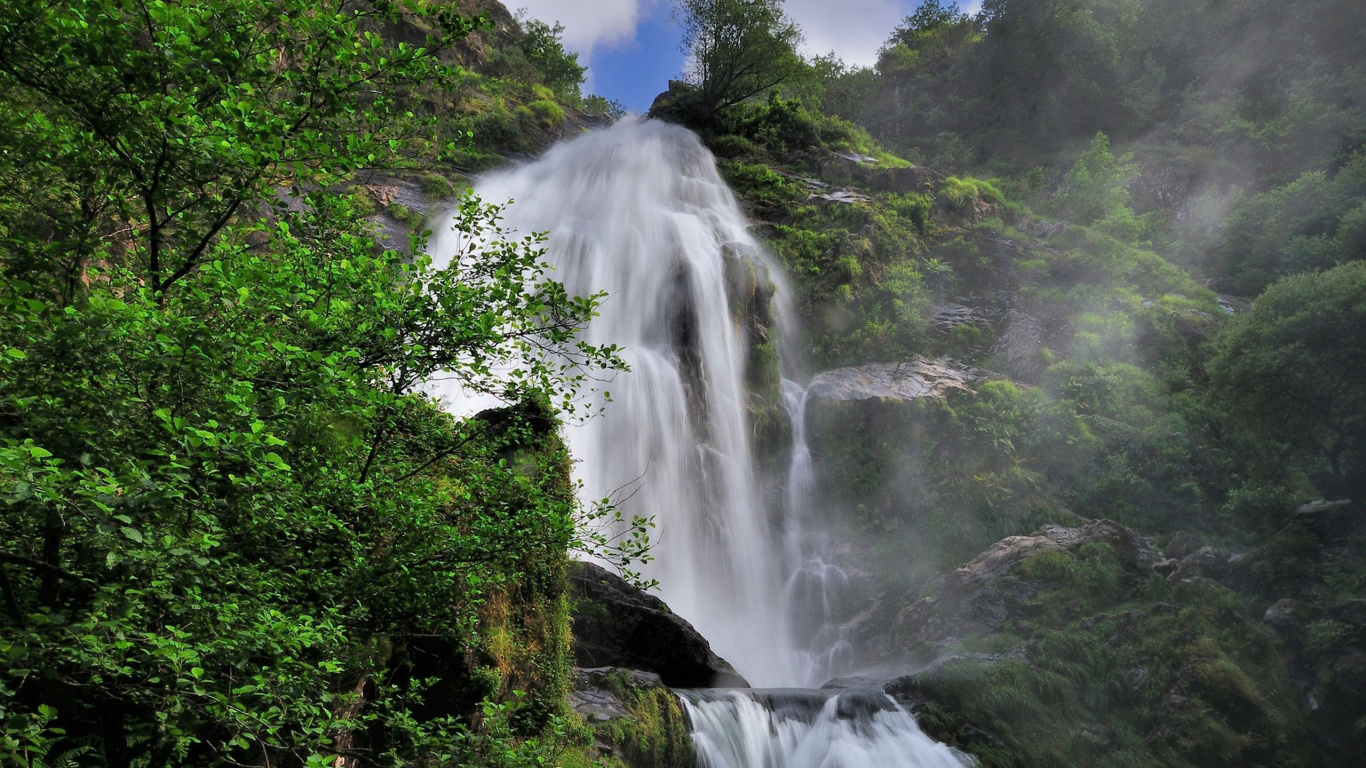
(618, 625)
(1205, 561)
(1329, 520)
(1289, 614)
(635, 719)
(1183, 544)
(1041, 229)
(840, 196)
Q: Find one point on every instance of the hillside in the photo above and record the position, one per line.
(1083, 207)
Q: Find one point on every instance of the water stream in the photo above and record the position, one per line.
(638, 210)
(809, 729)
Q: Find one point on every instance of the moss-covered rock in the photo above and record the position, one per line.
(637, 721)
(1067, 648)
(751, 291)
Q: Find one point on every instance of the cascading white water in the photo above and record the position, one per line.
(816, 589)
(638, 210)
(809, 729)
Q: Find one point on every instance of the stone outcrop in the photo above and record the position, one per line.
(635, 718)
(916, 378)
(670, 104)
(617, 625)
(1022, 336)
(1267, 646)
(980, 597)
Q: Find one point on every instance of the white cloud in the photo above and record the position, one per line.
(853, 29)
(588, 23)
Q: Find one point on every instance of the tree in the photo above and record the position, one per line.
(1294, 367)
(228, 515)
(931, 15)
(558, 69)
(736, 49)
(155, 124)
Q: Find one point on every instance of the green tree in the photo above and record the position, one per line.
(156, 124)
(1316, 221)
(536, 56)
(1097, 192)
(930, 16)
(737, 49)
(232, 530)
(559, 69)
(1293, 367)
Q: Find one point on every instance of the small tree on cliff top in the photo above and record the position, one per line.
(737, 49)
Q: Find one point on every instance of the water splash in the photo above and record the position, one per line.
(809, 729)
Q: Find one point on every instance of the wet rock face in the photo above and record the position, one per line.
(617, 625)
(917, 378)
(1022, 336)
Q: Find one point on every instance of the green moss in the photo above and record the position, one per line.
(544, 113)
(964, 194)
(656, 733)
(1152, 677)
(437, 186)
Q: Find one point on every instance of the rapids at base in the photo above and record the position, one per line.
(788, 728)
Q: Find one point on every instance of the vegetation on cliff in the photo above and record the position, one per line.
(1146, 241)
(1079, 257)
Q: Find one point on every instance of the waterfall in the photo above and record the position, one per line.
(638, 210)
(809, 729)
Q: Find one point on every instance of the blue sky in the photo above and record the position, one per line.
(631, 46)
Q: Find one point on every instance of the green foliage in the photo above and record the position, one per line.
(967, 194)
(1162, 677)
(932, 15)
(1024, 79)
(542, 112)
(736, 49)
(1098, 191)
(555, 67)
(234, 527)
(780, 125)
(598, 106)
(502, 102)
(1292, 368)
(1314, 222)
(161, 144)
(168, 477)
